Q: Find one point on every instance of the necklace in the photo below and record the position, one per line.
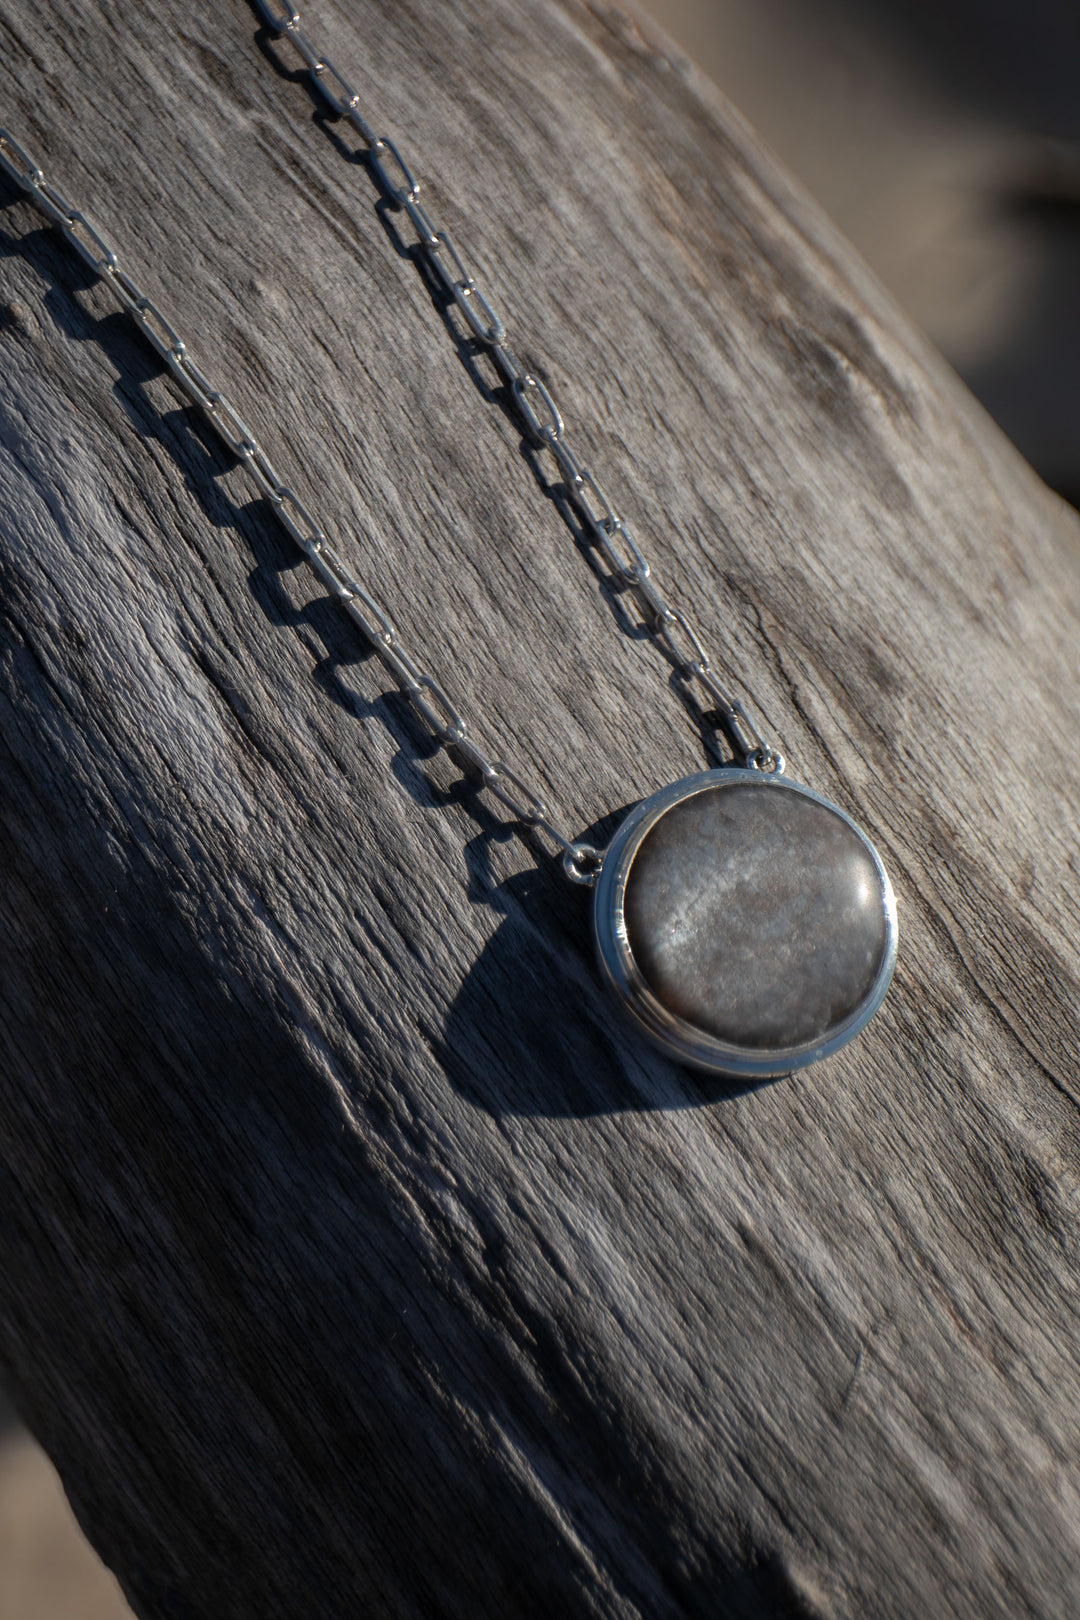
(745, 923)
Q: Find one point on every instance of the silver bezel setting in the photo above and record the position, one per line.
(674, 1035)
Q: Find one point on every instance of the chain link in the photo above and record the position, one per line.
(540, 415)
(343, 98)
(427, 698)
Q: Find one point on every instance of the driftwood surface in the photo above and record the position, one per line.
(355, 1258)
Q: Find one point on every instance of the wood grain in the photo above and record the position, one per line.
(354, 1257)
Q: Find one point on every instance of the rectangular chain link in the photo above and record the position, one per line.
(537, 409)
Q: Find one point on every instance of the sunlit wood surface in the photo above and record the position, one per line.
(356, 1258)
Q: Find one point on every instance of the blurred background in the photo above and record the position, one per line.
(943, 136)
(47, 1570)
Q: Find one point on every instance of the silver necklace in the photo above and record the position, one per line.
(745, 923)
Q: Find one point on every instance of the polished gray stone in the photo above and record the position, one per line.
(756, 914)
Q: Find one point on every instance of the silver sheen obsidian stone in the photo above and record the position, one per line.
(756, 914)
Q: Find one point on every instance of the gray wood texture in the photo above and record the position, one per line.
(354, 1257)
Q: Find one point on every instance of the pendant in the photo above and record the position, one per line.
(745, 923)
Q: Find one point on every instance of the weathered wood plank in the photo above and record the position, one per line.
(354, 1256)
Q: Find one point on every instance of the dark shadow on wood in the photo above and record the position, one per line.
(196, 450)
(9, 1418)
(574, 1066)
(240, 1103)
(524, 994)
(533, 1032)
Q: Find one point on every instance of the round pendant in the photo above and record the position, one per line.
(746, 924)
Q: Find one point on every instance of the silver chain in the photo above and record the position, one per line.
(539, 413)
(580, 861)
(542, 419)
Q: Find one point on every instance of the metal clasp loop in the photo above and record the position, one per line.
(767, 759)
(583, 864)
